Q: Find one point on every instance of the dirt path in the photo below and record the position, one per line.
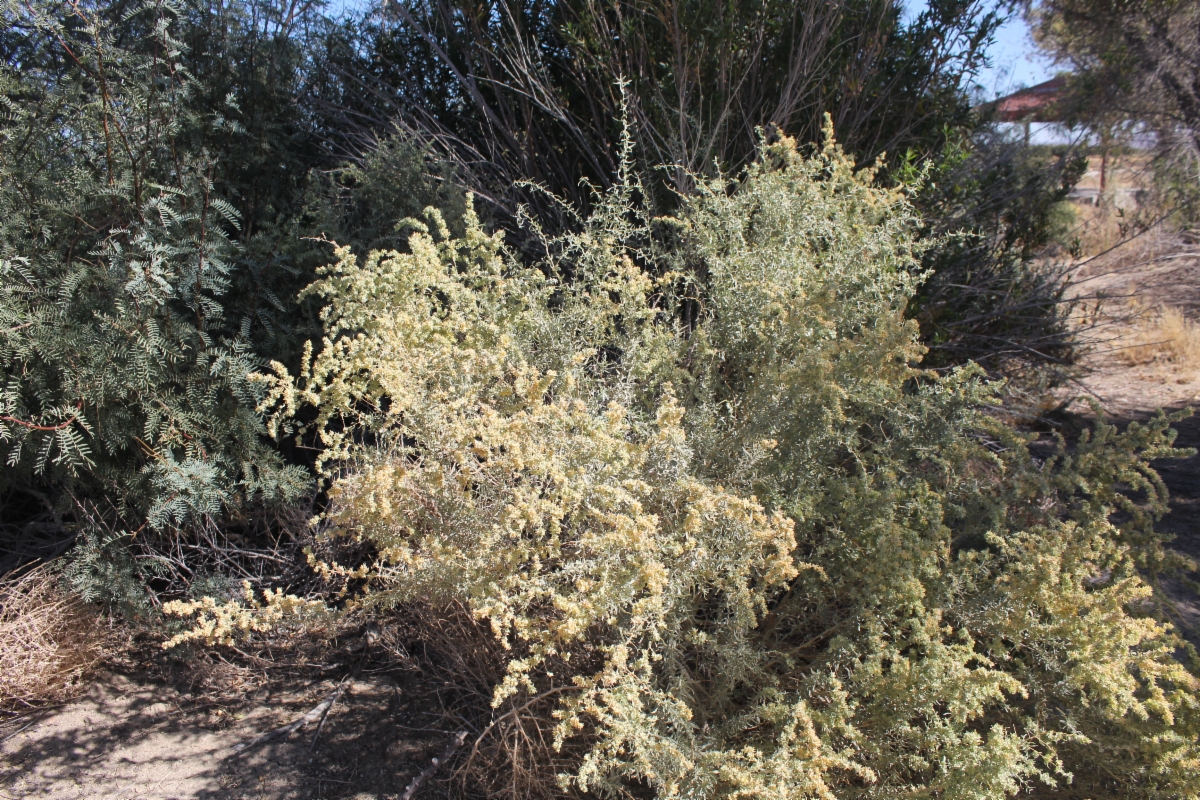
(144, 739)
(1132, 383)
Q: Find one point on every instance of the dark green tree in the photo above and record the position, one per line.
(1134, 63)
(124, 374)
(526, 91)
(166, 175)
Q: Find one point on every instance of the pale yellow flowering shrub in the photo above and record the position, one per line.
(689, 473)
(224, 623)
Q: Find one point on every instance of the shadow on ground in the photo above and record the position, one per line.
(1182, 477)
(134, 738)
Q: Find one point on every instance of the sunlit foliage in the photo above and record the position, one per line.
(690, 473)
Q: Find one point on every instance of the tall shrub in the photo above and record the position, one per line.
(726, 536)
(996, 292)
(524, 95)
(518, 91)
(124, 381)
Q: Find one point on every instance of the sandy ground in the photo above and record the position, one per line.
(141, 738)
(1147, 275)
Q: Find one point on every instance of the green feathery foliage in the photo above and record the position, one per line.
(359, 204)
(122, 376)
(719, 518)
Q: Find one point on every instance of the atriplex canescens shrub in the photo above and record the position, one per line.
(709, 502)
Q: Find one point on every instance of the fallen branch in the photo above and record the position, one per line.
(287, 730)
(454, 744)
(332, 699)
(319, 713)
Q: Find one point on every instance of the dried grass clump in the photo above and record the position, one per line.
(509, 753)
(49, 639)
(1164, 335)
(1099, 229)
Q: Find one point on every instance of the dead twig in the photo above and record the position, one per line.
(333, 699)
(319, 713)
(511, 713)
(36, 719)
(454, 744)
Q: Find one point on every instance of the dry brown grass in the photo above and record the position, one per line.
(49, 640)
(1098, 229)
(1162, 335)
(509, 752)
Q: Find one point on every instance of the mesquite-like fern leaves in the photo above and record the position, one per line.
(120, 372)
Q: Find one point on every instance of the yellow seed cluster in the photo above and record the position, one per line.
(224, 623)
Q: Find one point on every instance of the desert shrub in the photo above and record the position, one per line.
(996, 292)
(727, 538)
(161, 210)
(360, 203)
(48, 639)
(116, 250)
(525, 95)
(522, 92)
(123, 378)
(207, 145)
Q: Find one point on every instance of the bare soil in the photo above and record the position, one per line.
(161, 731)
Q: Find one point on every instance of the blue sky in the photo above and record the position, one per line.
(1016, 63)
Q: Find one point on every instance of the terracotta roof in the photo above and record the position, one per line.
(1037, 103)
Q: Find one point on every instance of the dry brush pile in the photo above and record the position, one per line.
(49, 639)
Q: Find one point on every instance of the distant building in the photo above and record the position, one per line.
(1036, 116)
(1036, 104)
